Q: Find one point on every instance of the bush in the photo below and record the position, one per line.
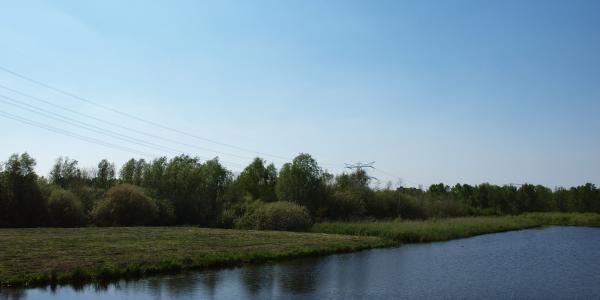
(89, 196)
(125, 205)
(384, 204)
(166, 212)
(445, 208)
(409, 207)
(346, 205)
(65, 209)
(280, 215)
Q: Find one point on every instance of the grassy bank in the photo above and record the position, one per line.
(448, 229)
(40, 256)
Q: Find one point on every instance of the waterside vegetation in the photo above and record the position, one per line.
(453, 228)
(184, 190)
(40, 256)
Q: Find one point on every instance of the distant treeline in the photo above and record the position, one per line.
(185, 190)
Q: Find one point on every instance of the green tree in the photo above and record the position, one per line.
(196, 189)
(526, 198)
(279, 215)
(105, 175)
(3, 201)
(138, 171)
(259, 181)
(215, 178)
(438, 189)
(65, 173)
(153, 174)
(23, 201)
(126, 174)
(65, 209)
(301, 182)
(125, 205)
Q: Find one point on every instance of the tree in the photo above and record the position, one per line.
(105, 174)
(127, 171)
(259, 181)
(526, 198)
(152, 177)
(438, 189)
(23, 201)
(279, 215)
(138, 171)
(65, 173)
(126, 205)
(181, 184)
(215, 178)
(195, 189)
(3, 201)
(65, 209)
(301, 182)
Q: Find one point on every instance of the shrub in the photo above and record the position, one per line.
(65, 209)
(280, 215)
(89, 196)
(384, 204)
(125, 205)
(166, 212)
(346, 205)
(235, 211)
(445, 208)
(409, 207)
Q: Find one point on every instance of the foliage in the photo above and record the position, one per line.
(301, 182)
(280, 215)
(65, 209)
(105, 176)
(80, 255)
(125, 205)
(166, 212)
(22, 201)
(66, 174)
(346, 205)
(188, 190)
(453, 228)
(259, 181)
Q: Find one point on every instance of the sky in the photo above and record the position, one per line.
(431, 91)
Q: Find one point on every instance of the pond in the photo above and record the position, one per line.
(548, 263)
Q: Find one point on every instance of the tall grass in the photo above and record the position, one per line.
(453, 228)
(39, 256)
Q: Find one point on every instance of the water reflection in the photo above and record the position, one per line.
(257, 278)
(10, 294)
(560, 262)
(297, 277)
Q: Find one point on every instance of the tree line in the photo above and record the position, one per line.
(185, 190)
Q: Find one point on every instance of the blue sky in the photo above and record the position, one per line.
(432, 91)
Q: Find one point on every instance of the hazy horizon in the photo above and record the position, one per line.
(462, 91)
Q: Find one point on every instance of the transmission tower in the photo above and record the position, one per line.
(357, 167)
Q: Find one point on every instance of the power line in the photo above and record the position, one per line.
(71, 134)
(395, 176)
(108, 108)
(125, 114)
(86, 138)
(93, 128)
(118, 125)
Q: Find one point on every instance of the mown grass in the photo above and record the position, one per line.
(40, 256)
(453, 228)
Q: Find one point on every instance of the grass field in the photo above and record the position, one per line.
(40, 256)
(447, 229)
(55, 255)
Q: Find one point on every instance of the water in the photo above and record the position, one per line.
(550, 263)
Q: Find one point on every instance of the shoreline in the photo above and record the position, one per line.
(245, 247)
